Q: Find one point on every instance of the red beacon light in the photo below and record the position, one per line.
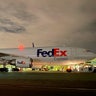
(21, 47)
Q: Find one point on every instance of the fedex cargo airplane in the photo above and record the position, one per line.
(39, 56)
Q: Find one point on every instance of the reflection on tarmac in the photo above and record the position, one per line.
(47, 84)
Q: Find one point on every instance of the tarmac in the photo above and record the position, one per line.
(47, 84)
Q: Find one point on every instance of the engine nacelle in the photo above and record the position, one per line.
(88, 68)
(23, 62)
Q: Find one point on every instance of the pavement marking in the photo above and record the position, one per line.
(86, 89)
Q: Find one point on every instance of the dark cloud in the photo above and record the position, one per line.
(14, 16)
(89, 36)
(6, 25)
(92, 27)
(18, 10)
(12, 29)
(24, 15)
(89, 28)
(6, 21)
(88, 6)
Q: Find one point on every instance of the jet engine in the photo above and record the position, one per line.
(24, 63)
(88, 68)
(21, 62)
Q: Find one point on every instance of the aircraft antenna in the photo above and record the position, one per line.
(33, 45)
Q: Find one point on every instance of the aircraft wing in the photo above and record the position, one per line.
(16, 60)
(4, 54)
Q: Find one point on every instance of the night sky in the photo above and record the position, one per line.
(48, 23)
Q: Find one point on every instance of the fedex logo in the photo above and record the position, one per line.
(53, 53)
(20, 62)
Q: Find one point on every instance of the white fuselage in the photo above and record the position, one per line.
(51, 54)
